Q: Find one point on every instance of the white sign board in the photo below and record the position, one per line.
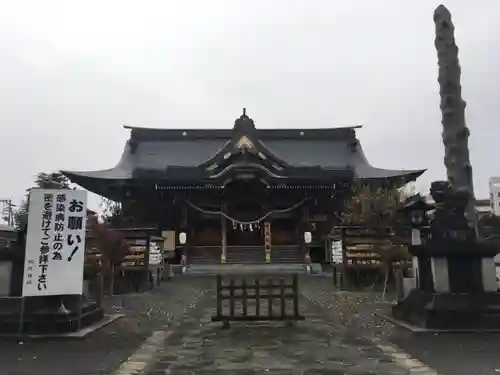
(155, 254)
(55, 243)
(336, 252)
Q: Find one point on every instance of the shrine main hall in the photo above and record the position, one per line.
(240, 195)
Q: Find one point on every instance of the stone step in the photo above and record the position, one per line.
(202, 269)
(245, 255)
(204, 255)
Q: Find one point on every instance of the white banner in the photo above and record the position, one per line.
(337, 252)
(55, 243)
(155, 254)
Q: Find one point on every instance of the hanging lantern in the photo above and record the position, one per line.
(307, 237)
(182, 238)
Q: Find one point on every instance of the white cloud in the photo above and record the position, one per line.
(73, 72)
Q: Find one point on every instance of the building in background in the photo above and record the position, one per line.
(483, 207)
(7, 210)
(495, 195)
(241, 195)
(8, 235)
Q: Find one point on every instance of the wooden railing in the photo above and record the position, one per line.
(258, 294)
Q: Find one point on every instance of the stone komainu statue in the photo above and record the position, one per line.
(449, 221)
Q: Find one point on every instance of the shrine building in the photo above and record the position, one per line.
(240, 195)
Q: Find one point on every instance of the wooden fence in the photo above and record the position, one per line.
(257, 298)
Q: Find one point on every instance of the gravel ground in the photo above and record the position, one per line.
(105, 349)
(354, 309)
(456, 354)
(448, 354)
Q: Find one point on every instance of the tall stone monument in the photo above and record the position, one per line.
(455, 131)
(456, 278)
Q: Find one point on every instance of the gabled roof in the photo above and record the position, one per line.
(180, 153)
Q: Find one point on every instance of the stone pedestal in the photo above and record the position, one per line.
(168, 273)
(456, 287)
(5, 278)
(47, 315)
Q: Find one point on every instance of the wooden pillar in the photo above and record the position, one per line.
(344, 281)
(168, 249)
(267, 241)
(184, 253)
(189, 233)
(329, 231)
(223, 225)
(306, 227)
(327, 249)
(146, 284)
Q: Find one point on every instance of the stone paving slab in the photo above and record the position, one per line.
(314, 346)
(453, 354)
(106, 349)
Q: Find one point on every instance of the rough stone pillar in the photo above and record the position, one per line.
(455, 132)
(457, 282)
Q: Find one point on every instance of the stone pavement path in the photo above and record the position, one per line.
(453, 354)
(106, 349)
(315, 346)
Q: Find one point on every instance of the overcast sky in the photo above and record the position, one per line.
(73, 72)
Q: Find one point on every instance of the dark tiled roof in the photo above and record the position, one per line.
(153, 134)
(163, 149)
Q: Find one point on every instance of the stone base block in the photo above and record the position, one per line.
(449, 311)
(47, 322)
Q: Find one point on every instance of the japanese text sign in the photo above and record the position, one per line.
(55, 243)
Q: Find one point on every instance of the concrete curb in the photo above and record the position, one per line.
(403, 359)
(142, 357)
(416, 329)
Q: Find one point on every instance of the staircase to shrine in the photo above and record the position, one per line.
(287, 254)
(245, 255)
(204, 255)
(280, 254)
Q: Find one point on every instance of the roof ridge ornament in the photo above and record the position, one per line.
(243, 125)
(244, 142)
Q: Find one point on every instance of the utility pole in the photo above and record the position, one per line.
(8, 211)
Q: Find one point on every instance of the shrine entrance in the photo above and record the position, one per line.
(245, 241)
(244, 235)
(245, 198)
